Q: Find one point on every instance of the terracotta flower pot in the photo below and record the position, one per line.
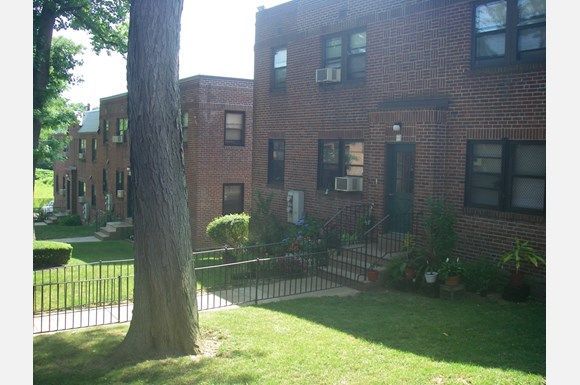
(452, 281)
(373, 275)
(410, 273)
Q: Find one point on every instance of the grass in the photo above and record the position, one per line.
(99, 284)
(56, 231)
(43, 187)
(371, 338)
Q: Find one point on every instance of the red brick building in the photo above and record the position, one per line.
(217, 121)
(413, 98)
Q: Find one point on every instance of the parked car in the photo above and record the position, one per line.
(48, 208)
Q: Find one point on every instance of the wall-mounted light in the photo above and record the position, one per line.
(397, 127)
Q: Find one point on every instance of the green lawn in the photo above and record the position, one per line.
(371, 338)
(43, 187)
(99, 282)
(56, 231)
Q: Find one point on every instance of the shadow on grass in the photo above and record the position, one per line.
(494, 335)
(85, 358)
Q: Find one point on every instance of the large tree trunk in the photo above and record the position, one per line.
(165, 317)
(40, 71)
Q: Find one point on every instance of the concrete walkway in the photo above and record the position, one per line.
(207, 301)
(90, 238)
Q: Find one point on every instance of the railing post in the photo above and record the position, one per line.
(257, 279)
(100, 283)
(119, 300)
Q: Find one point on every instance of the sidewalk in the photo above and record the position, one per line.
(90, 238)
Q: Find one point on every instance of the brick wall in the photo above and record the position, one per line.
(208, 162)
(419, 73)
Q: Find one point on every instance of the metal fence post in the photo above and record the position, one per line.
(119, 300)
(100, 277)
(257, 279)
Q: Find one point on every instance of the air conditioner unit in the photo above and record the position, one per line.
(328, 75)
(120, 193)
(81, 155)
(62, 192)
(348, 183)
(117, 138)
(81, 199)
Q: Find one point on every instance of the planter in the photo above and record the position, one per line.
(517, 278)
(410, 273)
(452, 281)
(373, 275)
(431, 276)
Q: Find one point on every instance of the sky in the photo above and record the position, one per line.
(217, 38)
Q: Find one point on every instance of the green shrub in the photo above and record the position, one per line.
(264, 226)
(70, 220)
(481, 277)
(48, 254)
(440, 233)
(229, 230)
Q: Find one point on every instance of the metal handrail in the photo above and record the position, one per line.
(376, 224)
(371, 205)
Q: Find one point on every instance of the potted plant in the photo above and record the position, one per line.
(373, 273)
(450, 271)
(522, 253)
(440, 235)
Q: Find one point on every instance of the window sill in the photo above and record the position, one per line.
(504, 215)
(278, 91)
(354, 195)
(275, 185)
(234, 144)
(498, 68)
(357, 83)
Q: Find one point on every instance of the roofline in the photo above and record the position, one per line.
(187, 79)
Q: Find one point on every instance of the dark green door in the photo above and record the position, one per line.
(400, 180)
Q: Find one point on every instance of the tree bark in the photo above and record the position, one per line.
(165, 317)
(40, 71)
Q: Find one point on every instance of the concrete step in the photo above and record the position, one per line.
(345, 277)
(102, 235)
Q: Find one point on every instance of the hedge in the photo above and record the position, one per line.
(50, 254)
(231, 229)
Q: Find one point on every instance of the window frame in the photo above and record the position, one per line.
(105, 183)
(93, 195)
(81, 192)
(345, 76)
(238, 143)
(123, 132)
(119, 180)
(511, 55)
(506, 176)
(82, 146)
(271, 161)
(94, 149)
(341, 172)
(224, 196)
(105, 131)
(276, 86)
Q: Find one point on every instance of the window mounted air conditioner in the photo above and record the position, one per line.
(117, 138)
(348, 183)
(120, 193)
(81, 155)
(328, 75)
(62, 192)
(81, 199)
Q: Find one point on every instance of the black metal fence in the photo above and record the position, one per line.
(102, 293)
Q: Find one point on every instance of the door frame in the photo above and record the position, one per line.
(390, 149)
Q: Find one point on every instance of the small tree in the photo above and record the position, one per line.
(440, 236)
(264, 226)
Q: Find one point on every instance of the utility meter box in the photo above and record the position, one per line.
(295, 206)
